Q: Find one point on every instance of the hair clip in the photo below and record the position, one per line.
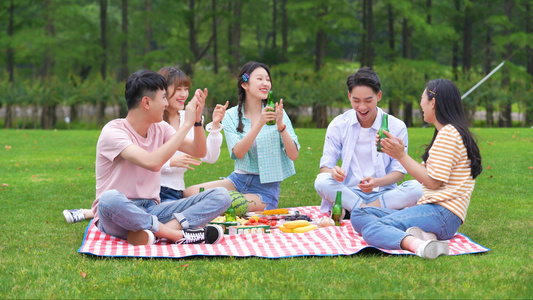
(245, 77)
(432, 92)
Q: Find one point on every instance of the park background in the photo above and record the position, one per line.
(70, 58)
(66, 58)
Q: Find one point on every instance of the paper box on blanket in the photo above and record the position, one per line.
(226, 225)
(245, 229)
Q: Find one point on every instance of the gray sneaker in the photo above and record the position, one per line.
(74, 215)
(421, 234)
(210, 234)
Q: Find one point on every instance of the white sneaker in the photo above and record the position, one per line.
(432, 249)
(141, 237)
(421, 234)
(73, 215)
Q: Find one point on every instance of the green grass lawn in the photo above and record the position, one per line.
(44, 172)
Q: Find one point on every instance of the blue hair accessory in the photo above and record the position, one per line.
(432, 92)
(245, 77)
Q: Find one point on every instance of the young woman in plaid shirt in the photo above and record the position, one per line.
(263, 154)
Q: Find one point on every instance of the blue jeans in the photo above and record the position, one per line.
(170, 194)
(385, 228)
(250, 184)
(118, 214)
(405, 195)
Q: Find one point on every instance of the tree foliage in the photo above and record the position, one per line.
(57, 52)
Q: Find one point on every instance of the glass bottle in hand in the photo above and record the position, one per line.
(384, 126)
(270, 102)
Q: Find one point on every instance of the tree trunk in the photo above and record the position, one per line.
(320, 111)
(73, 112)
(124, 72)
(148, 29)
(101, 104)
(504, 119)
(10, 54)
(370, 34)
(529, 58)
(363, 35)
(428, 13)
(103, 38)
(321, 39)
(469, 106)
(390, 13)
(467, 40)
(407, 49)
(394, 105)
(48, 113)
(193, 43)
(407, 54)
(194, 47)
(489, 108)
(48, 116)
(284, 31)
(10, 63)
(274, 21)
(455, 48)
(234, 36)
(215, 40)
(455, 60)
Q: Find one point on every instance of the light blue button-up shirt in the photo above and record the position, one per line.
(340, 142)
(267, 157)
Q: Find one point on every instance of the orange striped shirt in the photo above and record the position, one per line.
(448, 162)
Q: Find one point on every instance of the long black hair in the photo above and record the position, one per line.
(244, 76)
(449, 110)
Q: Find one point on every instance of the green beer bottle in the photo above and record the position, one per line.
(230, 214)
(270, 102)
(384, 126)
(336, 212)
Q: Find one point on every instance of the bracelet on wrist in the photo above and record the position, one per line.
(198, 124)
(282, 129)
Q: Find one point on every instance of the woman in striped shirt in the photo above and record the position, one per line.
(450, 165)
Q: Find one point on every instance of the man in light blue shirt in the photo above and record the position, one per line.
(366, 177)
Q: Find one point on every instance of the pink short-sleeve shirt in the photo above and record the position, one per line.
(114, 172)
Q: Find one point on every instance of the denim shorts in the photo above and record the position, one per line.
(250, 184)
(170, 194)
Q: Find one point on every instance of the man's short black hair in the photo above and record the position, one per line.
(364, 77)
(143, 83)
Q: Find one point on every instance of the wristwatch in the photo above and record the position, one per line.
(198, 124)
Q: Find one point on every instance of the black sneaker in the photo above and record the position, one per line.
(74, 215)
(210, 234)
(347, 215)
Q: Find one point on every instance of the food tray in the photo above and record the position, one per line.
(271, 217)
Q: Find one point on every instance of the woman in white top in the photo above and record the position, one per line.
(172, 182)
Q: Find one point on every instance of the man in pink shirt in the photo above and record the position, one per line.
(129, 156)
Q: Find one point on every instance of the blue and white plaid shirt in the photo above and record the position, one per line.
(267, 157)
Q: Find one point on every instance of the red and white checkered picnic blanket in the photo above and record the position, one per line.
(328, 241)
